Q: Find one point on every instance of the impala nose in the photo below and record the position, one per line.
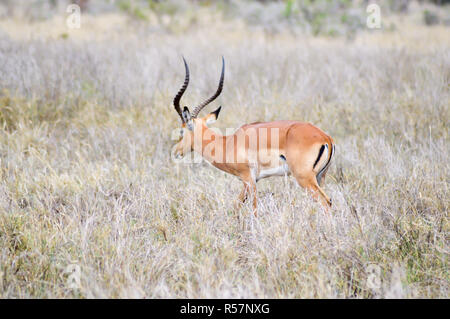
(178, 155)
(175, 154)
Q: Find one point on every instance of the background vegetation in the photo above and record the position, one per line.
(86, 176)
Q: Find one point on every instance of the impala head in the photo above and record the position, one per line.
(190, 122)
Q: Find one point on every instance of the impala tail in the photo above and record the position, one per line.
(323, 161)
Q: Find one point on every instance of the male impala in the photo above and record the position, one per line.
(256, 150)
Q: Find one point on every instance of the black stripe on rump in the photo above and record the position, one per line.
(322, 148)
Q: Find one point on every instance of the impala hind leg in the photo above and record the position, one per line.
(310, 183)
(308, 164)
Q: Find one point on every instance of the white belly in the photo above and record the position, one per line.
(273, 171)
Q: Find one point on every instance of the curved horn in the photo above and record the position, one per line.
(176, 100)
(212, 98)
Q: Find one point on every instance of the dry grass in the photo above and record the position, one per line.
(86, 176)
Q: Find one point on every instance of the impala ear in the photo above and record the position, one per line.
(212, 117)
(187, 118)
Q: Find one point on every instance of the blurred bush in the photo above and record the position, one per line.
(315, 17)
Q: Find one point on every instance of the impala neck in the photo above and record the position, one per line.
(210, 145)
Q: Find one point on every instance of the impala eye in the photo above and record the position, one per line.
(181, 133)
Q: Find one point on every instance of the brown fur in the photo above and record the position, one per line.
(298, 142)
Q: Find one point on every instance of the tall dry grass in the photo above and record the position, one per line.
(86, 176)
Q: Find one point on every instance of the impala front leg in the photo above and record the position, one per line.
(242, 196)
(249, 189)
(255, 208)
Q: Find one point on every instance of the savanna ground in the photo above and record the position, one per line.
(86, 176)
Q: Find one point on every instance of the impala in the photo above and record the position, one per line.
(257, 150)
